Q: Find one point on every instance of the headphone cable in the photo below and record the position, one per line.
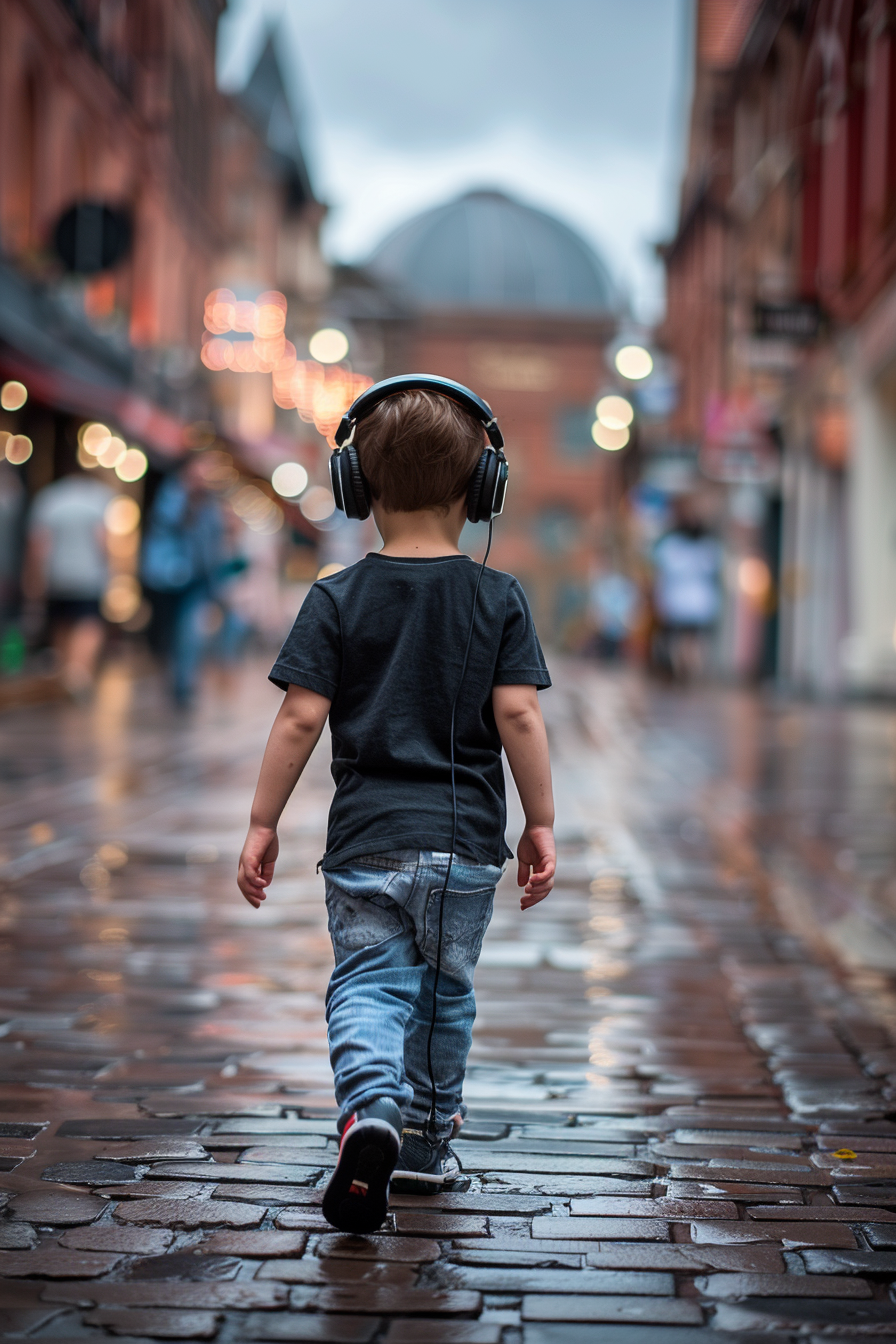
(431, 1122)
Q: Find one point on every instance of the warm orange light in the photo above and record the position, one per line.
(132, 466)
(245, 360)
(611, 440)
(122, 598)
(322, 395)
(94, 437)
(13, 396)
(329, 345)
(244, 316)
(122, 515)
(754, 578)
(112, 452)
(18, 449)
(270, 320)
(615, 412)
(217, 354)
(219, 311)
(317, 504)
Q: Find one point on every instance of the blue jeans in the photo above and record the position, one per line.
(384, 923)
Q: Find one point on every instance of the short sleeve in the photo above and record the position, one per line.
(312, 654)
(520, 659)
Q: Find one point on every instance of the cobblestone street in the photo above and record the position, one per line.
(683, 1082)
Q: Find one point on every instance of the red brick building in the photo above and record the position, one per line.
(110, 110)
(782, 296)
(513, 303)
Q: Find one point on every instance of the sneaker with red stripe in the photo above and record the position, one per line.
(357, 1195)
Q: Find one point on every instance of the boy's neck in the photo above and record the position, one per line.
(424, 534)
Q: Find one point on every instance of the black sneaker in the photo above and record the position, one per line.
(357, 1196)
(426, 1166)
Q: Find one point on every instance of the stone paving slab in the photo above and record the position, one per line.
(126, 1240)
(172, 1158)
(338, 1271)
(789, 1234)
(785, 1313)
(600, 1229)
(406, 1250)
(55, 1262)
(508, 1280)
(158, 1323)
(264, 1245)
(189, 1213)
(293, 1326)
(443, 1332)
(734, 1287)
(238, 1296)
(600, 1310)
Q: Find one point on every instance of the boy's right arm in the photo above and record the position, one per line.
(523, 736)
(293, 737)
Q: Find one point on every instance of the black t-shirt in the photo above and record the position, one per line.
(384, 641)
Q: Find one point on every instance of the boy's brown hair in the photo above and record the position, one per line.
(418, 450)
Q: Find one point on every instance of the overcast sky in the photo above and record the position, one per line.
(577, 106)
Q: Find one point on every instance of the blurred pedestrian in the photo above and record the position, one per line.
(12, 515)
(68, 570)
(687, 596)
(184, 562)
(614, 601)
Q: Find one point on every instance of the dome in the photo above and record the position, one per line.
(487, 251)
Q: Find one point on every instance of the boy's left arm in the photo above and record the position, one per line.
(294, 736)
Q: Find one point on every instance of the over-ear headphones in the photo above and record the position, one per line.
(488, 483)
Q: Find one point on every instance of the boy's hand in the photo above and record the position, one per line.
(537, 859)
(257, 863)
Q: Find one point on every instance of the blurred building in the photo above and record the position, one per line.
(510, 301)
(782, 317)
(129, 186)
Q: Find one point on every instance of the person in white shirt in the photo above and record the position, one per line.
(687, 595)
(69, 570)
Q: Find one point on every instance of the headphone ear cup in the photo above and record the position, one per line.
(336, 479)
(475, 488)
(485, 493)
(350, 490)
(355, 490)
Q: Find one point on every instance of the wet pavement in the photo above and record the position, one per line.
(683, 1083)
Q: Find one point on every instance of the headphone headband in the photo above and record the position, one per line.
(419, 382)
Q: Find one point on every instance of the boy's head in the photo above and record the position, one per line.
(418, 450)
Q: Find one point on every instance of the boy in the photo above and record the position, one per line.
(379, 647)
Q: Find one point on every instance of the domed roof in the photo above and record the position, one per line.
(485, 250)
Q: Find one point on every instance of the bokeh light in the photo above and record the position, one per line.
(121, 599)
(93, 437)
(256, 509)
(122, 515)
(615, 412)
(18, 449)
(112, 452)
(327, 570)
(754, 578)
(317, 504)
(611, 440)
(328, 346)
(13, 395)
(634, 362)
(132, 467)
(289, 479)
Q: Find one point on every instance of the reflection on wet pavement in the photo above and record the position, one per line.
(682, 1076)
